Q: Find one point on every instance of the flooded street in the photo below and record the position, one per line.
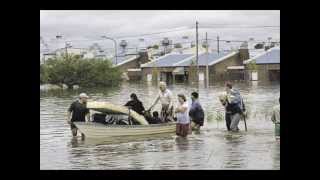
(213, 148)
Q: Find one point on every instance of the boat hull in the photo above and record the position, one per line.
(97, 130)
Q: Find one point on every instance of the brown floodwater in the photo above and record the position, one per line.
(212, 148)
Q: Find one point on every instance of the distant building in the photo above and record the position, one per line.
(130, 64)
(265, 66)
(46, 56)
(70, 51)
(174, 67)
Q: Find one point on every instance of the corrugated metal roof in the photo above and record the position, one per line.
(272, 56)
(168, 60)
(211, 57)
(122, 59)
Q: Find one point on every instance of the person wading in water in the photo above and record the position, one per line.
(275, 118)
(79, 113)
(183, 120)
(165, 97)
(196, 112)
(234, 106)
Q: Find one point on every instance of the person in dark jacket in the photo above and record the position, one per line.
(196, 112)
(135, 104)
(155, 118)
(235, 107)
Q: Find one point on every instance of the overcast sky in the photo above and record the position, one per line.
(119, 23)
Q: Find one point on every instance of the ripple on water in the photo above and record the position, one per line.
(213, 148)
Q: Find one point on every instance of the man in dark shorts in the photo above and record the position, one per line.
(79, 113)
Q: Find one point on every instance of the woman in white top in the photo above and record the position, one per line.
(183, 120)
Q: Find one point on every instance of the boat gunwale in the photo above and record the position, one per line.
(124, 126)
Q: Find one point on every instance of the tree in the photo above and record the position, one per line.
(83, 72)
(178, 45)
(155, 46)
(44, 78)
(252, 66)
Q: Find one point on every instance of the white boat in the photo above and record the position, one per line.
(97, 130)
(140, 128)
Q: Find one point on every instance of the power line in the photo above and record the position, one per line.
(120, 37)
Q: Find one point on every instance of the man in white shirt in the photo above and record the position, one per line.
(166, 99)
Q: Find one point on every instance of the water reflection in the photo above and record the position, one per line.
(234, 156)
(182, 143)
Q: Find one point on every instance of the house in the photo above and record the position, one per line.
(265, 66)
(177, 67)
(46, 56)
(130, 64)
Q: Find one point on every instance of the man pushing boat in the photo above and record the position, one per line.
(166, 99)
(79, 113)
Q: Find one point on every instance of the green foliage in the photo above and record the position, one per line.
(44, 78)
(178, 45)
(73, 70)
(252, 66)
(155, 46)
(219, 116)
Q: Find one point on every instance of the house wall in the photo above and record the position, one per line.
(136, 63)
(143, 58)
(263, 71)
(218, 72)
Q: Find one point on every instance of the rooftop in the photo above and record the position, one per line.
(168, 60)
(181, 60)
(212, 58)
(271, 56)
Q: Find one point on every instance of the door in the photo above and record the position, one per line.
(254, 76)
(201, 76)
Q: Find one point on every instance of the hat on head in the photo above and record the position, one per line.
(83, 95)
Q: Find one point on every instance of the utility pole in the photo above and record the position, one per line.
(197, 54)
(115, 46)
(66, 44)
(218, 44)
(207, 66)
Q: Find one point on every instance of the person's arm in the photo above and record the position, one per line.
(68, 117)
(192, 109)
(128, 103)
(155, 102)
(88, 117)
(181, 109)
(273, 116)
(142, 107)
(170, 99)
(70, 110)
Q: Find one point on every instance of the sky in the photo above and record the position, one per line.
(76, 24)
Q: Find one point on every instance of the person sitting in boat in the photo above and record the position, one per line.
(165, 97)
(155, 118)
(275, 118)
(135, 104)
(196, 112)
(79, 113)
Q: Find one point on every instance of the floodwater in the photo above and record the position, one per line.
(213, 148)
